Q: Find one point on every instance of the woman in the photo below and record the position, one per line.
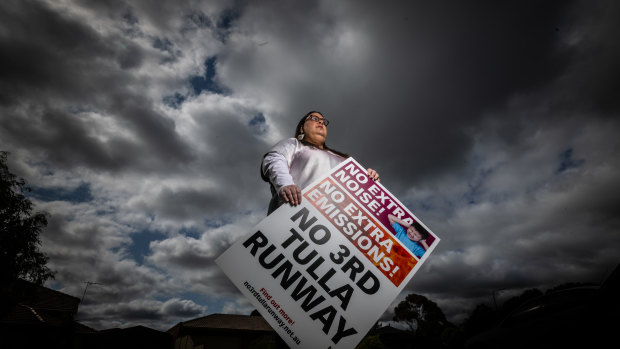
(294, 163)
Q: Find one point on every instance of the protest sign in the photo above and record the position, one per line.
(323, 272)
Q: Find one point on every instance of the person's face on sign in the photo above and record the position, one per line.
(413, 234)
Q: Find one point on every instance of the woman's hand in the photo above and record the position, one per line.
(373, 175)
(291, 194)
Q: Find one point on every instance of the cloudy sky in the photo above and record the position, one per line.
(140, 126)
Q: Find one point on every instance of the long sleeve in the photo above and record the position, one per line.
(276, 169)
(277, 163)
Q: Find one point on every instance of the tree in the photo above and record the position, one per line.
(424, 316)
(20, 256)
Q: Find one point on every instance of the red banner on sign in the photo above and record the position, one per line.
(365, 232)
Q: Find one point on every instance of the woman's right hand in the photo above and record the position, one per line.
(291, 194)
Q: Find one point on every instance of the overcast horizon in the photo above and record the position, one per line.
(140, 127)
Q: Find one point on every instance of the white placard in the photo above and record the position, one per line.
(323, 272)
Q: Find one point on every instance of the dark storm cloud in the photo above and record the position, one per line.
(447, 80)
(39, 46)
(429, 71)
(450, 67)
(51, 64)
(526, 225)
(187, 202)
(64, 139)
(68, 139)
(157, 131)
(76, 102)
(596, 75)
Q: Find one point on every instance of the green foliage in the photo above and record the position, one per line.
(19, 231)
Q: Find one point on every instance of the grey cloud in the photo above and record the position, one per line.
(181, 253)
(65, 140)
(135, 311)
(182, 308)
(160, 315)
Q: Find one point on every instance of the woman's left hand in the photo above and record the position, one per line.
(373, 175)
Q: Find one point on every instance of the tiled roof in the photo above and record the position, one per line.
(138, 330)
(225, 322)
(38, 305)
(40, 297)
(25, 315)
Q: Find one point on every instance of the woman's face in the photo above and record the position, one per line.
(315, 131)
(413, 234)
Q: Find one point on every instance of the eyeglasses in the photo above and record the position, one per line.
(318, 119)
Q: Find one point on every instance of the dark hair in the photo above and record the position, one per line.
(423, 232)
(300, 124)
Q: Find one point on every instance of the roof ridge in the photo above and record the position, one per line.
(34, 312)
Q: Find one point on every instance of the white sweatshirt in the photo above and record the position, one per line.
(292, 162)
